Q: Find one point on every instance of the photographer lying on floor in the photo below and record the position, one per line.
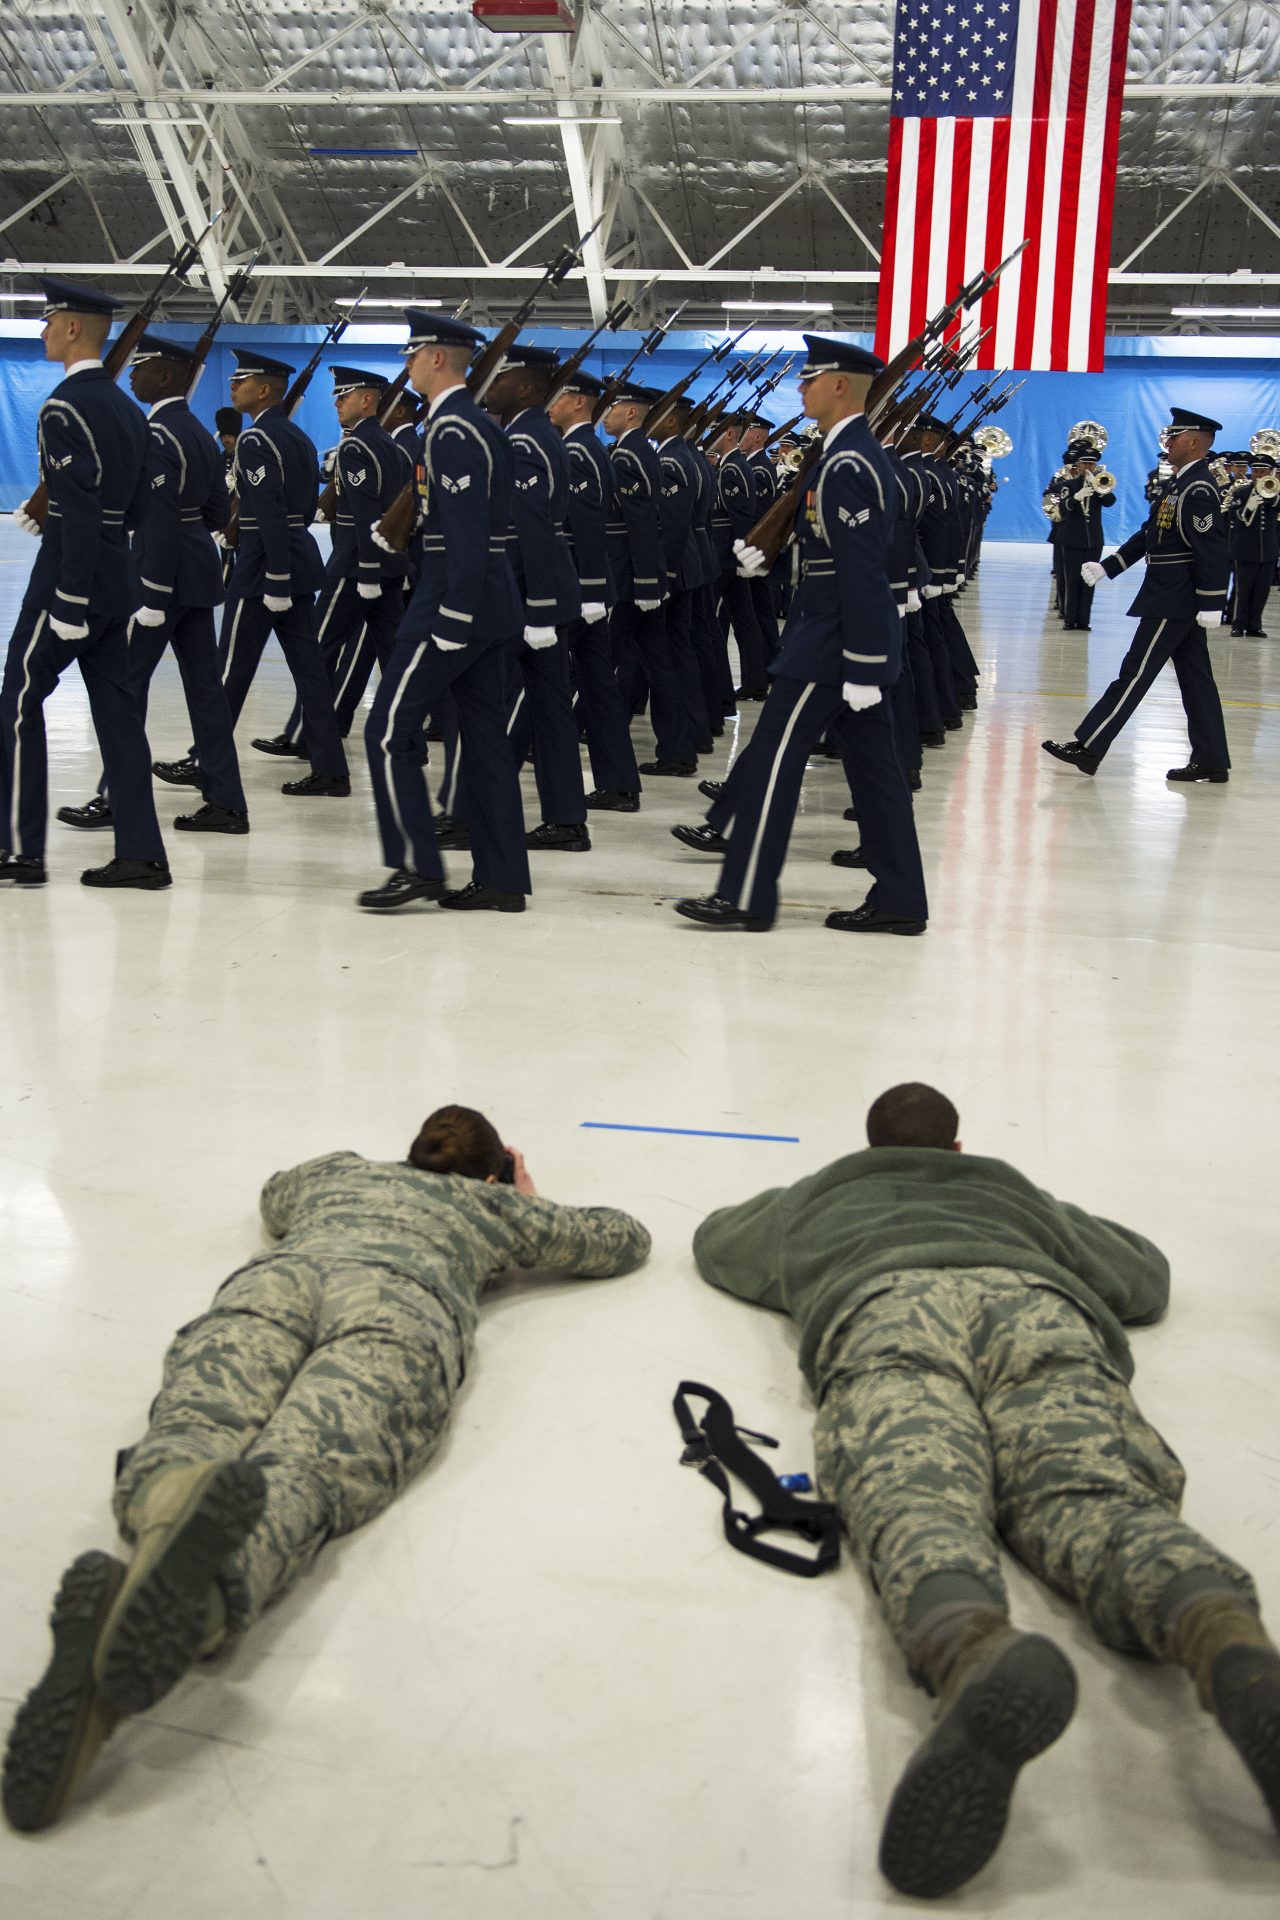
(962, 1332)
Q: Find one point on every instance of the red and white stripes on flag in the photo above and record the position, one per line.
(962, 193)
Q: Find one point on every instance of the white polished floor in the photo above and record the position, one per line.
(542, 1687)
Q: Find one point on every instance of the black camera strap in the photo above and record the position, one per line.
(718, 1448)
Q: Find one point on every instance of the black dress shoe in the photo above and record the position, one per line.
(969, 702)
(452, 834)
(701, 839)
(211, 819)
(553, 838)
(850, 813)
(937, 738)
(612, 800)
(681, 769)
(953, 726)
(320, 786)
(714, 789)
(147, 875)
(705, 743)
(715, 912)
(21, 870)
(1237, 633)
(748, 693)
(93, 814)
(914, 779)
(849, 857)
(401, 890)
(865, 919)
(473, 898)
(730, 710)
(1216, 776)
(1073, 753)
(282, 746)
(177, 773)
(1254, 633)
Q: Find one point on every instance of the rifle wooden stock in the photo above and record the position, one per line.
(118, 354)
(776, 524)
(293, 399)
(327, 505)
(780, 433)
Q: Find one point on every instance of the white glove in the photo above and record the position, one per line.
(151, 616)
(447, 646)
(648, 606)
(277, 603)
(1211, 621)
(368, 590)
(1083, 494)
(860, 698)
(751, 561)
(379, 541)
(593, 610)
(913, 601)
(221, 539)
(931, 593)
(23, 519)
(1092, 571)
(539, 637)
(1252, 503)
(64, 632)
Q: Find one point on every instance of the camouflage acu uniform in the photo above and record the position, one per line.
(332, 1360)
(964, 1406)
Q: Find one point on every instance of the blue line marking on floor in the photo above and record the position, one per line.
(697, 1133)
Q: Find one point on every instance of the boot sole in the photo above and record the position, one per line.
(160, 1623)
(949, 1810)
(87, 826)
(151, 883)
(1246, 1695)
(63, 1721)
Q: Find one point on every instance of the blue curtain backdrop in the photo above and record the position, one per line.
(1236, 382)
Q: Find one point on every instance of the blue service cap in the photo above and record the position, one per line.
(352, 380)
(584, 383)
(1195, 422)
(632, 391)
(836, 356)
(541, 359)
(428, 329)
(1082, 450)
(152, 347)
(249, 360)
(64, 296)
(1263, 461)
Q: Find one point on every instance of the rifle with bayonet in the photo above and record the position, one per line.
(661, 408)
(293, 400)
(119, 353)
(204, 345)
(984, 413)
(710, 410)
(616, 381)
(618, 315)
(777, 524)
(395, 529)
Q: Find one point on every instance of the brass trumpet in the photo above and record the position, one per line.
(1267, 486)
(1101, 480)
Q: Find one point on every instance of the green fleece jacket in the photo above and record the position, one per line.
(821, 1249)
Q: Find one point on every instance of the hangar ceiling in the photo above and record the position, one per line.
(735, 148)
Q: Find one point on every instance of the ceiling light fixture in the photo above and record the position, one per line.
(776, 306)
(27, 299)
(561, 120)
(385, 300)
(143, 120)
(1226, 313)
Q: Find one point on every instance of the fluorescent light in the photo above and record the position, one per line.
(561, 120)
(27, 299)
(143, 120)
(1227, 313)
(776, 306)
(385, 300)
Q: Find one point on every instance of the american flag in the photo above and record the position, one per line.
(1005, 119)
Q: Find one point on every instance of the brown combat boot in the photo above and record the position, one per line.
(1225, 1648)
(1005, 1696)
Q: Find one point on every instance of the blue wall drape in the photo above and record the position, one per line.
(1143, 378)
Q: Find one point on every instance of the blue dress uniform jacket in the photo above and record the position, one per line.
(676, 505)
(277, 483)
(93, 445)
(466, 588)
(736, 509)
(371, 471)
(1184, 544)
(1255, 534)
(590, 505)
(178, 564)
(764, 479)
(703, 510)
(635, 536)
(844, 623)
(539, 534)
(1080, 528)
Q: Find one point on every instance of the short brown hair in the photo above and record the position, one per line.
(912, 1115)
(458, 1140)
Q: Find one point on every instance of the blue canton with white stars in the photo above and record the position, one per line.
(954, 59)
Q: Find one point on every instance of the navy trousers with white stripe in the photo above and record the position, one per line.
(603, 716)
(542, 700)
(36, 662)
(766, 791)
(1249, 601)
(189, 631)
(246, 626)
(414, 678)
(639, 642)
(355, 636)
(1185, 642)
(928, 712)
